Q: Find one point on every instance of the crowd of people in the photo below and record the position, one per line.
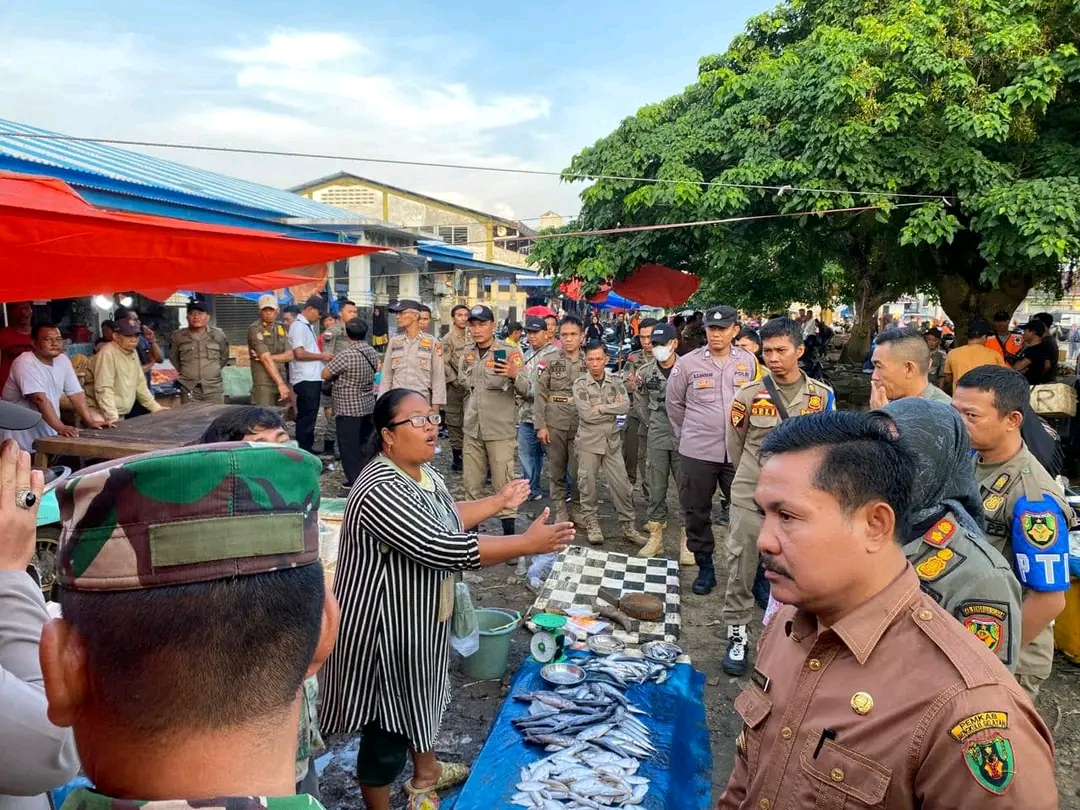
(925, 528)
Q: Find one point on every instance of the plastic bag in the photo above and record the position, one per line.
(464, 629)
(540, 568)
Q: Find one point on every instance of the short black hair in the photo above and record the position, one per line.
(645, 323)
(979, 329)
(238, 421)
(425, 308)
(1010, 388)
(1002, 315)
(291, 309)
(592, 345)
(852, 443)
(783, 327)
(750, 333)
(35, 330)
(678, 321)
(514, 326)
(109, 324)
(356, 329)
(201, 656)
(573, 320)
(456, 307)
(1038, 327)
(909, 342)
(346, 303)
(1044, 317)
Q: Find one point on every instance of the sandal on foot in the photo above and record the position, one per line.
(453, 773)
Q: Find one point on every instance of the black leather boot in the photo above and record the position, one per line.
(706, 578)
(455, 465)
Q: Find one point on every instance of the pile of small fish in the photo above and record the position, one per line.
(622, 670)
(581, 777)
(596, 713)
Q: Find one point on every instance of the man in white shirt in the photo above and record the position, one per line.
(37, 381)
(305, 371)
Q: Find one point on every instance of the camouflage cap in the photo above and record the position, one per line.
(191, 514)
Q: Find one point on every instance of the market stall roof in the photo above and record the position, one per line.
(125, 180)
(448, 254)
(54, 244)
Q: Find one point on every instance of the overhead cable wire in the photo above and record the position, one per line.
(569, 176)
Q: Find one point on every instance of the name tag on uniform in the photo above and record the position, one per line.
(763, 407)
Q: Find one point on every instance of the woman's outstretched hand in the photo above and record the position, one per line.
(547, 537)
(514, 494)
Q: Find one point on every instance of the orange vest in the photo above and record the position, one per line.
(1013, 345)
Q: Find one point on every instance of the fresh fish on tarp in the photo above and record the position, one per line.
(622, 669)
(581, 777)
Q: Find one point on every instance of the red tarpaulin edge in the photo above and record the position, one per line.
(54, 244)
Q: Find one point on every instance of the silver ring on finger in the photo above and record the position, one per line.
(25, 499)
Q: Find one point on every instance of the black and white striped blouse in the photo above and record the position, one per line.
(400, 541)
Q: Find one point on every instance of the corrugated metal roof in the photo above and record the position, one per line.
(155, 178)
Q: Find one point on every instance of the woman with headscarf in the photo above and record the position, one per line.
(955, 562)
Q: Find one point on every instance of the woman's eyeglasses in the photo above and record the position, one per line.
(419, 421)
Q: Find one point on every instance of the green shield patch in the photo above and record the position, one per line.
(991, 763)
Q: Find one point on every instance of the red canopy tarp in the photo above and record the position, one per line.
(572, 289)
(54, 244)
(655, 285)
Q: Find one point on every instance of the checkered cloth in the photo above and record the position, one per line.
(353, 372)
(579, 574)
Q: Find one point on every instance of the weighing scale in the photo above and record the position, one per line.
(549, 641)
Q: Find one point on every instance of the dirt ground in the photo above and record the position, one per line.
(474, 704)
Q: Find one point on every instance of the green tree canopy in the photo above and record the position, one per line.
(956, 120)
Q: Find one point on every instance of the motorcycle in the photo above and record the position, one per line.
(43, 566)
(617, 353)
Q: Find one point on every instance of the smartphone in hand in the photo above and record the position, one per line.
(500, 355)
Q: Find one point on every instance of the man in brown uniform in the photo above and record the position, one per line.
(199, 353)
(600, 398)
(757, 410)
(454, 346)
(555, 417)
(414, 359)
(268, 344)
(835, 714)
(488, 369)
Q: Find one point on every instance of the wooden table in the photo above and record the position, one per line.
(172, 427)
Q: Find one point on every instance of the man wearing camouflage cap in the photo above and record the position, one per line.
(162, 558)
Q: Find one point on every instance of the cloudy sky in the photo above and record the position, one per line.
(479, 82)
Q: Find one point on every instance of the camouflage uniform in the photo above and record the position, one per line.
(157, 520)
(86, 799)
(636, 432)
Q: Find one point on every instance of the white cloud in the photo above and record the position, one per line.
(297, 49)
(90, 71)
(250, 123)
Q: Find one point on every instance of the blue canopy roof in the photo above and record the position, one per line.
(441, 252)
(132, 181)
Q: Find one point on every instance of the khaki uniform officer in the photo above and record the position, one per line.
(268, 344)
(454, 346)
(636, 434)
(600, 398)
(1028, 520)
(414, 359)
(758, 408)
(199, 353)
(662, 449)
(556, 419)
(490, 411)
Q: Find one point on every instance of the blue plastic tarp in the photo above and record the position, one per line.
(614, 301)
(680, 774)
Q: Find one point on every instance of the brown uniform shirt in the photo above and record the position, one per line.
(896, 707)
(553, 405)
(525, 382)
(335, 340)
(454, 345)
(490, 411)
(754, 416)
(260, 340)
(199, 358)
(415, 364)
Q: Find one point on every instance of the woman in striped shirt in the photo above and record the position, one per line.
(403, 538)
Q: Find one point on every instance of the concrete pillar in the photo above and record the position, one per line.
(409, 282)
(474, 286)
(360, 291)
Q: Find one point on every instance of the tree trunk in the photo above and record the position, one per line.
(965, 302)
(867, 303)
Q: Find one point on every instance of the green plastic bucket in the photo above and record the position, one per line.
(489, 662)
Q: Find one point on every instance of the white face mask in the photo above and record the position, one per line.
(662, 353)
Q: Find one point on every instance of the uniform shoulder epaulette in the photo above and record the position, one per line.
(954, 642)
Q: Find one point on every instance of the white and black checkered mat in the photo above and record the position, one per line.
(579, 573)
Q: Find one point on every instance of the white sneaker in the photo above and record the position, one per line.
(735, 657)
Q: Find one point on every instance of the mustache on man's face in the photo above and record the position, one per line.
(771, 564)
